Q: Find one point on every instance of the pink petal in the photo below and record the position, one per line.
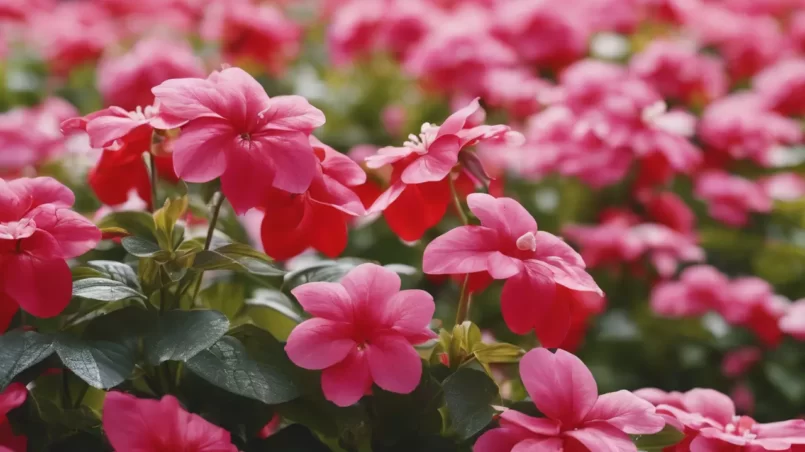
(42, 190)
(552, 324)
(245, 97)
(465, 249)
(498, 440)
(12, 206)
(394, 364)
(504, 215)
(319, 343)
(387, 156)
(190, 98)
(434, 166)
(292, 113)
(539, 445)
(569, 276)
(537, 425)
(13, 396)
(41, 286)
(501, 266)
(711, 404)
(550, 247)
(794, 428)
(560, 385)
(371, 286)
(339, 166)
(346, 382)
(326, 190)
(410, 312)
(325, 299)
(626, 412)
(602, 437)
(74, 233)
(457, 120)
(200, 152)
(387, 197)
(104, 130)
(526, 297)
(295, 165)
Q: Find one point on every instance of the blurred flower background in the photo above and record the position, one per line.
(663, 140)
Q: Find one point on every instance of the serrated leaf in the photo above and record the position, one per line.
(102, 289)
(140, 224)
(228, 366)
(469, 395)
(165, 220)
(20, 350)
(657, 442)
(140, 247)
(118, 271)
(236, 257)
(101, 364)
(180, 335)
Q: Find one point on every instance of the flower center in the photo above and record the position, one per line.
(741, 426)
(653, 111)
(527, 242)
(16, 230)
(419, 143)
(245, 136)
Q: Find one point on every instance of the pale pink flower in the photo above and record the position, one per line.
(363, 332)
(700, 289)
(659, 397)
(783, 186)
(31, 136)
(544, 276)
(793, 322)
(126, 80)
(730, 198)
(781, 87)
(231, 129)
(576, 417)
(710, 424)
(738, 362)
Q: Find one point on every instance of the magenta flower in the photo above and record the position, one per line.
(38, 232)
(543, 273)
(700, 289)
(781, 87)
(363, 332)
(731, 198)
(136, 425)
(231, 129)
(576, 417)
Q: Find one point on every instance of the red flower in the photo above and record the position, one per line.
(13, 396)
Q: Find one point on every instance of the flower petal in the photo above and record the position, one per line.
(12, 397)
(325, 299)
(602, 437)
(436, 165)
(711, 404)
(539, 445)
(43, 190)
(74, 233)
(505, 215)
(537, 425)
(560, 385)
(428, 200)
(200, 152)
(627, 412)
(41, 286)
(409, 313)
(292, 113)
(501, 266)
(552, 323)
(394, 363)
(371, 286)
(526, 297)
(794, 428)
(104, 130)
(498, 440)
(319, 343)
(465, 249)
(458, 119)
(346, 382)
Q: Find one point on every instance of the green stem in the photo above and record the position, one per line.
(218, 202)
(66, 398)
(457, 202)
(152, 160)
(464, 302)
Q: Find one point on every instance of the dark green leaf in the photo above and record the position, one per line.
(180, 335)
(236, 257)
(225, 297)
(659, 441)
(140, 224)
(118, 271)
(469, 395)
(227, 365)
(102, 364)
(20, 350)
(277, 301)
(140, 247)
(104, 290)
(327, 271)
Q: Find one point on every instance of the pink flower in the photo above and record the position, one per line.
(134, 425)
(12, 397)
(783, 186)
(678, 71)
(710, 424)
(576, 417)
(781, 87)
(544, 275)
(659, 397)
(126, 80)
(739, 125)
(31, 136)
(516, 91)
(701, 288)
(259, 32)
(669, 209)
(751, 302)
(363, 332)
(739, 361)
(793, 322)
(38, 232)
(233, 130)
(731, 198)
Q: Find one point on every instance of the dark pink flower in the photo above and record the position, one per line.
(781, 87)
(751, 302)
(363, 332)
(12, 397)
(38, 232)
(731, 198)
(738, 362)
(231, 129)
(135, 425)
(710, 424)
(126, 80)
(700, 289)
(669, 209)
(544, 275)
(576, 417)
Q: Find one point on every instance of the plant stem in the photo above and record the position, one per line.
(464, 301)
(218, 201)
(66, 398)
(152, 160)
(457, 202)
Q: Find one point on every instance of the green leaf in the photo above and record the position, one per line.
(277, 301)
(236, 257)
(469, 395)
(181, 335)
(225, 297)
(104, 290)
(20, 350)
(140, 247)
(497, 353)
(327, 271)
(140, 224)
(118, 271)
(86, 272)
(659, 441)
(101, 364)
(165, 220)
(228, 365)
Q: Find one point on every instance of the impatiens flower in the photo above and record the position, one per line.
(576, 417)
(124, 137)
(783, 186)
(363, 332)
(38, 232)
(659, 397)
(421, 168)
(710, 424)
(139, 425)
(669, 209)
(544, 276)
(231, 129)
(731, 198)
(126, 80)
(781, 87)
(700, 289)
(12, 397)
(514, 90)
(737, 362)
(318, 217)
